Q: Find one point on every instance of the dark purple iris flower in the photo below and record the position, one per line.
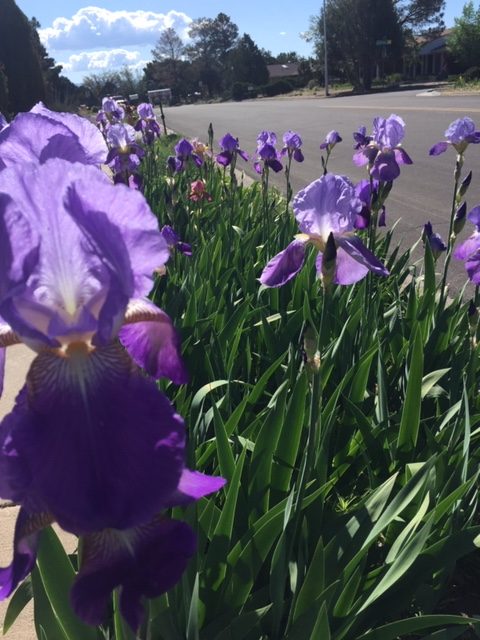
(229, 151)
(361, 138)
(459, 134)
(147, 123)
(41, 134)
(331, 139)
(469, 251)
(292, 143)
(91, 442)
(3, 121)
(383, 153)
(125, 153)
(183, 155)
(174, 242)
(437, 245)
(326, 209)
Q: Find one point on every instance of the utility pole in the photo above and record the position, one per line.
(325, 71)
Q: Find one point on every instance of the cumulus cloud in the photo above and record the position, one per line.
(94, 27)
(98, 61)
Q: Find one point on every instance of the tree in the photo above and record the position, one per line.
(19, 59)
(169, 51)
(213, 39)
(247, 63)
(464, 42)
(417, 15)
(354, 45)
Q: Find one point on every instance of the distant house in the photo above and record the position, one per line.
(277, 71)
(431, 58)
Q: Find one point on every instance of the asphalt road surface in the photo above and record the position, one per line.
(422, 192)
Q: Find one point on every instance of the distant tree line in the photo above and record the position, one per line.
(27, 73)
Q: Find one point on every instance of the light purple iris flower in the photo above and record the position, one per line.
(41, 134)
(437, 245)
(125, 153)
(3, 121)
(230, 149)
(383, 153)
(459, 134)
(292, 143)
(147, 123)
(326, 207)
(266, 137)
(331, 139)
(91, 442)
(114, 111)
(469, 251)
(183, 155)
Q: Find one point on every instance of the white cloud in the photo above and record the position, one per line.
(94, 27)
(283, 33)
(98, 61)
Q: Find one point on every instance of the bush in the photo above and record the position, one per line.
(277, 88)
(240, 90)
(471, 74)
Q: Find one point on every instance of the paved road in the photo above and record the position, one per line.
(423, 191)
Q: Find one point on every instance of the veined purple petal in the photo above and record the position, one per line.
(91, 441)
(275, 164)
(145, 110)
(31, 137)
(298, 155)
(388, 132)
(224, 158)
(438, 148)
(228, 143)
(472, 265)
(87, 133)
(474, 216)
(359, 252)
(285, 265)
(467, 248)
(459, 130)
(25, 543)
(347, 270)
(152, 342)
(143, 562)
(326, 205)
(385, 167)
(401, 156)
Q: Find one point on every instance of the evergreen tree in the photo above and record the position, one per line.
(247, 63)
(19, 59)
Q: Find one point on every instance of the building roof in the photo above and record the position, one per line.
(436, 44)
(282, 70)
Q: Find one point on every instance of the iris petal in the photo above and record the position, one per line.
(285, 265)
(92, 441)
(152, 342)
(145, 561)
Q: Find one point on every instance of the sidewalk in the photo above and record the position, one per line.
(19, 358)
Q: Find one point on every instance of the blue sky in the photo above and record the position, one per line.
(92, 37)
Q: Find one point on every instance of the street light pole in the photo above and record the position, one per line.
(325, 72)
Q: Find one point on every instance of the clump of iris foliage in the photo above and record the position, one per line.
(333, 382)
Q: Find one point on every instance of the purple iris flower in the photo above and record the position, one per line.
(41, 134)
(229, 150)
(147, 123)
(326, 208)
(3, 121)
(383, 153)
(125, 153)
(331, 139)
(437, 245)
(183, 154)
(459, 134)
(361, 138)
(91, 442)
(266, 137)
(469, 251)
(114, 111)
(267, 155)
(292, 143)
(174, 242)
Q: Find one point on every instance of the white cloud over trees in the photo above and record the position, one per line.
(102, 60)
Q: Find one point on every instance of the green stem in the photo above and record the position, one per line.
(451, 239)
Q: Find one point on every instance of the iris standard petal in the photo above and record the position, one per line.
(152, 341)
(284, 266)
(143, 562)
(92, 441)
(89, 136)
(25, 543)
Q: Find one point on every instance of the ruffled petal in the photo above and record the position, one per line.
(467, 248)
(144, 562)
(152, 341)
(92, 441)
(285, 265)
(25, 543)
